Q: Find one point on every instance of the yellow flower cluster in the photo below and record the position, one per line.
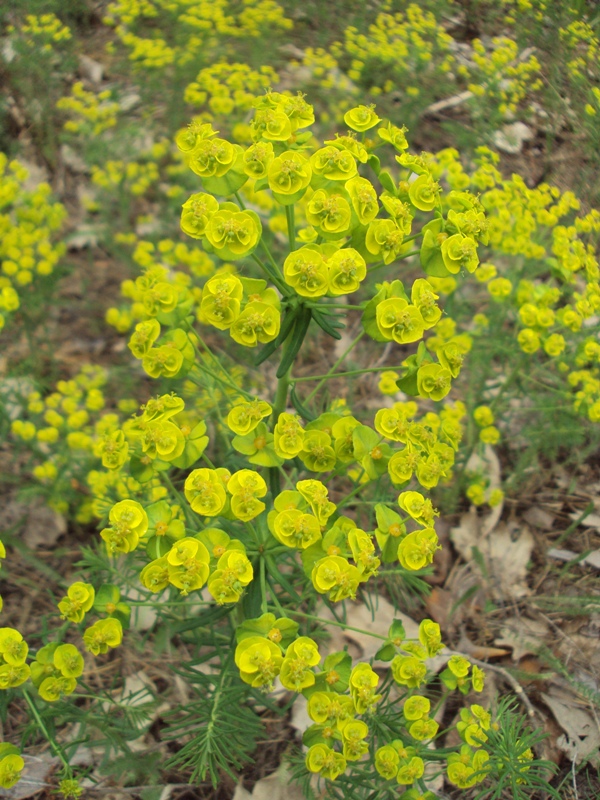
(42, 31)
(549, 314)
(338, 693)
(515, 9)
(226, 88)
(407, 51)
(159, 263)
(194, 28)
(91, 113)
(135, 176)
(503, 77)
(68, 427)
(583, 42)
(28, 222)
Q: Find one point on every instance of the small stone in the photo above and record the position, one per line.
(512, 137)
(90, 69)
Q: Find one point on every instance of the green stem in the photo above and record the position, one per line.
(276, 602)
(263, 587)
(180, 500)
(354, 491)
(341, 307)
(345, 374)
(227, 379)
(56, 747)
(271, 275)
(281, 395)
(399, 258)
(334, 622)
(335, 366)
(279, 406)
(291, 226)
(286, 288)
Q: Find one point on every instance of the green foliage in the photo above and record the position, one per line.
(220, 729)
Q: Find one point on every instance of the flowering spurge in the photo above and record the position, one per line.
(256, 507)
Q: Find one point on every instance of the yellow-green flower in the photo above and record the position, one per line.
(387, 762)
(333, 164)
(306, 271)
(385, 239)
(424, 193)
(408, 671)
(289, 176)
(128, 523)
(361, 118)
(329, 213)
(327, 762)
(387, 382)
(233, 234)
(259, 661)
(394, 135)
(245, 416)
(212, 158)
(399, 320)
(416, 707)
(296, 529)
(417, 549)
(353, 735)
(258, 322)
(103, 634)
(317, 453)
(257, 159)
(234, 572)
(221, 301)
(155, 575)
(460, 252)
(196, 214)
(68, 661)
(529, 341)
(144, 336)
(347, 268)
(423, 297)
(12, 647)
(363, 687)
(11, 766)
(205, 492)
(246, 486)
(363, 198)
(433, 381)
(272, 124)
(335, 576)
(13, 676)
(296, 673)
(289, 436)
(79, 600)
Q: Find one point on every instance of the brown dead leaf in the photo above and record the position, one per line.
(591, 560)
(277, 786)
(505, 550)
(438, 605)
(525, 636)
(489, 465)
(538, 517)
(581, 738)
(480, 652)
(300, 720)
(42, 526)
(378, 623)
(590, 521)
(443, 560)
